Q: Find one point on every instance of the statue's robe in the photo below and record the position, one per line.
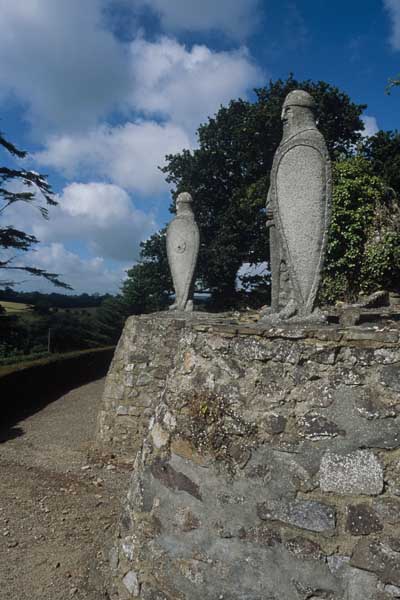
(183, 241)
(300, 201)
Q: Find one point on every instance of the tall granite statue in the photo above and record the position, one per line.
(183, 241)
(298, 212)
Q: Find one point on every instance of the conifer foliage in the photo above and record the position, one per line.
(20, 185)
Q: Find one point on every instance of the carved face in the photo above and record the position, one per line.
(294, 117)
(183, 207)
(287, 116)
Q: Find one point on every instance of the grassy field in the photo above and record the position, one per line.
(15, 307)
(18, 308)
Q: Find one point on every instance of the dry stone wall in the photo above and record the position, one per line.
(267, 460)
(135, 383)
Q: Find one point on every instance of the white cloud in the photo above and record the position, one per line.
(393, 8)
(371, 126)
(84, 275)
(69, 71)
(168, 81)
(60, 62)
(128, 155)
(100, 216)
(187, 85)
(236, 18)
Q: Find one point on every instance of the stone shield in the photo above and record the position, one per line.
(183, 242)
(301, 195)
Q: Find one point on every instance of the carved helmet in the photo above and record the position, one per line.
(299, 98)
(184, 198)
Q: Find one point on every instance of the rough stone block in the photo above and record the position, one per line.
(305, 514)
(390, 376)
(370, 406)
(362, 520)
(388, 510)
(370, 334)
(393, 591)
(304, 548)
(131, 583)
(357, 472)
(316, 427)
(377, 556)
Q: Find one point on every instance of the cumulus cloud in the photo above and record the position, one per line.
(100, 216)
(371, 126)
(60, 61)
(72, 77)
(180, 86)
(236, 19)
(84, 275)
(128, 155)
(393, 8)
(70, 71)
(187, 85)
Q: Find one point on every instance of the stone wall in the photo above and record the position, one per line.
(135, 383)
(268, 463)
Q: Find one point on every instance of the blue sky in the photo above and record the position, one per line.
(98, 91)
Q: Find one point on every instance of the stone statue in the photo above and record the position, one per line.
(183, 241)
(298, 212)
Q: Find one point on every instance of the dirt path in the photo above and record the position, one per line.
(57, 510)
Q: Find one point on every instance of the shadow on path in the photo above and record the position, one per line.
(58, 508)
(10, 433)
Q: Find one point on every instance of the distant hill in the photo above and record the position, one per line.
(53, 300)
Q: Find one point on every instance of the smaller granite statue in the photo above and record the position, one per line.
(298, 212)
(183, 241)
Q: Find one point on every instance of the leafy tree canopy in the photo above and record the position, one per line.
(363, 252)
(148, 284)
(383, 153)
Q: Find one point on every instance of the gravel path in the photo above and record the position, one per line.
(57, 510)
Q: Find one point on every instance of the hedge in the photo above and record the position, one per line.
(27, 386)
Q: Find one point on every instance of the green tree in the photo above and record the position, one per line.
(110, 319)
(363, 252)
(146, 288)
(36, 191)
(148, 285)
(228, 176)
(383, 153)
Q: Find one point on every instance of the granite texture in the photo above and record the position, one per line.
(183, 241)
(298, 211)
(266, 461)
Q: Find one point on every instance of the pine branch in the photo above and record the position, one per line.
(14, 238)
(52, 277)
(392, 82)
(11, 148)
(29, 178)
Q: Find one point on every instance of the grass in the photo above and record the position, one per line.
(19, 308)
(15, 307)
